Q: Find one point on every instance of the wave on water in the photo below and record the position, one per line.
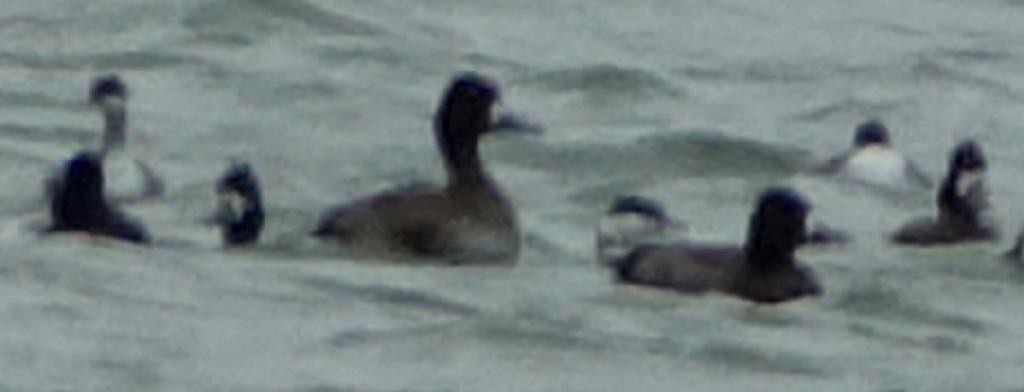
(247, 22)
(605, 83)
(671, 154)
(699, 105)
(127, 60)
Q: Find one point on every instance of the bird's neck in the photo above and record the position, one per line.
(766, 250)
(960, 203)
(115, 119)
(460, 151)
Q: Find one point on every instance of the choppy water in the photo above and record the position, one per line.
(697, 103)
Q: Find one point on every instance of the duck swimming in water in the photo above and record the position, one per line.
(129, 178)
(962, 200)
(631, 221)
(80, 204)
(873, 160)
(240, 211)
(764, 270)
(469, 220)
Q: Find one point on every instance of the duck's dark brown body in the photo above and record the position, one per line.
(468, 220)
(763, 270)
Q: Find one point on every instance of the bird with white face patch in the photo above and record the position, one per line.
(129, 177)
(874, 161)
(962, 202)
(240, 208)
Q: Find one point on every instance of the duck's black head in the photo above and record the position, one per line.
(466, 105)
(106, 87)
(464, 115)
(778, 225)
(967, 157)
(241, 207)
(870, 133)
(79, 202)
(963, 195)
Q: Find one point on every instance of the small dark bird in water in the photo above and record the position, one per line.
(80, 204)
(764, 270)
(962, 201)
(469, 220)
(240, 211)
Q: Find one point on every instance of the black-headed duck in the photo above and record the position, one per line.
(469, 220)
(764, 269)
(240, 208)
(962, 202)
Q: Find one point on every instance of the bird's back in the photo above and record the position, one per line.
(683, 267)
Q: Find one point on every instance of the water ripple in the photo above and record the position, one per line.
(244, 22)
(50, 134)
(138, 373)
(976, 55)
(932, 66)
(390, 295)
(128, 60)
(759, 72)
(375, 55)
(851, 107)
(934, 342)
(606, 82)
(732, 355)
(351, 338)
(880, 302)
(699, 154)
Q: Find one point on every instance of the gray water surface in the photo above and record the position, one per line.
(699, 104)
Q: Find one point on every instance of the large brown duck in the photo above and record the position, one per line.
(468, 220)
